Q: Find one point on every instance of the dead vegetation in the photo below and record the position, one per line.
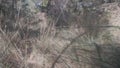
(65, 37)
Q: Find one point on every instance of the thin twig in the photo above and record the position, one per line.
(67, 46)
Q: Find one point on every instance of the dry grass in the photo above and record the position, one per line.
(32, 40)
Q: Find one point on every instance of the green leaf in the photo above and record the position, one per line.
(44, 3)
